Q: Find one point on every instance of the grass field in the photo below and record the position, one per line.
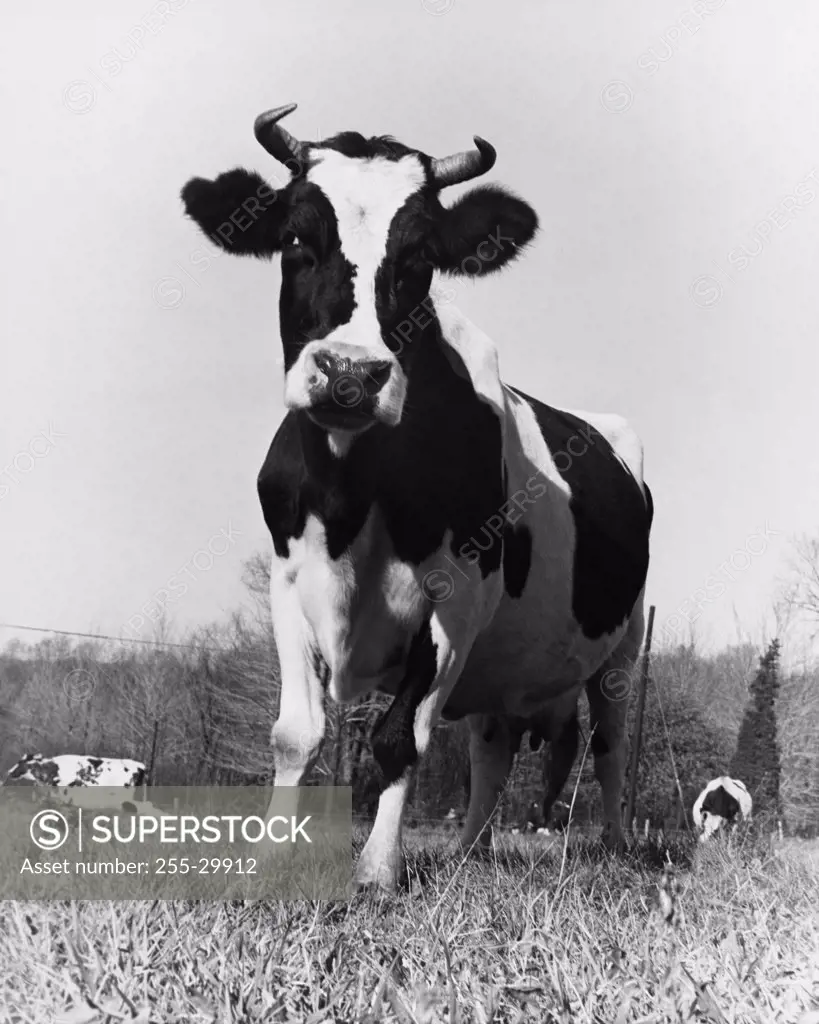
(537, 932)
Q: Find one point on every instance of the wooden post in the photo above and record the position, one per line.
(638, 724)
(150, 773)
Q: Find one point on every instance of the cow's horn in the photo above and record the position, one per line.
(278, 142)
(451, 170)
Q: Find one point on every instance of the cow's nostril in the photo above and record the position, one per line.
(325, 362)
(377, 373)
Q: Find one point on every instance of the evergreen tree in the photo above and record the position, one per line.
(757, 760)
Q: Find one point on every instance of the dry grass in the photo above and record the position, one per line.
(523, 936)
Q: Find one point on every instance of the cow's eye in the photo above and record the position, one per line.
(406, 271)
(296, 248)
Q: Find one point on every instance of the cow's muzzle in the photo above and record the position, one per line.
(343, 391)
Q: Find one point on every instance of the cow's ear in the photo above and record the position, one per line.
(238, 211)
(485, 229)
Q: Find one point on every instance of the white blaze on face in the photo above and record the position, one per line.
(365, 195)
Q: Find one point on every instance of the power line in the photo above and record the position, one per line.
(105, 636)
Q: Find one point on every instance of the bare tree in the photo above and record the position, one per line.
(798, 713)
(799, 595)
(256, 578)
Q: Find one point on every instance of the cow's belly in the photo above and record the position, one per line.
(534, 650)
(529, 656)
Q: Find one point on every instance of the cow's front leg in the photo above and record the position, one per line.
(298, 732)
(492, 748)
(402, 736)
(299, 729)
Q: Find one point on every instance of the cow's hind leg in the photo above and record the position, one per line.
(561, 758)
(492, 748)
(608, 692)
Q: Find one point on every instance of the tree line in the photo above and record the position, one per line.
(203, 715)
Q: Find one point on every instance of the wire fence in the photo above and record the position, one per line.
(645, 676)
(106, 636)
(636, 833)
(419, 820)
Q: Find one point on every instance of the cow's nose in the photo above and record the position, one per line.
(369, 374)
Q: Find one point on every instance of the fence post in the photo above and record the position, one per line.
(149, 775)
(638, 724)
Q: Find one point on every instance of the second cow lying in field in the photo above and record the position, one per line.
(67, 772)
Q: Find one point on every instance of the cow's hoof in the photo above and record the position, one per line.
(477, 845)
(376, 890)
(379, 878)
(478, 851)
(612, 840)
(373, 893)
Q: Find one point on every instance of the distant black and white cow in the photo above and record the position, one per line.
(67, 772)
(561, 817)
(719, 804)
(143, 809)
(532, 818)
(439, 535)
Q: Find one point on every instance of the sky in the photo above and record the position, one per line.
(670, 150)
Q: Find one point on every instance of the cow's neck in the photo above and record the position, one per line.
(440, 469)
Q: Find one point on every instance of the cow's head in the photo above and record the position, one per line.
(711, 823)
(361, 230)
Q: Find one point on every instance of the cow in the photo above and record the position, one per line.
(143, 809)
(560, 818)
(531, 818)
(68, 773)
(718, 804)
(559, 821)
(438, 535)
